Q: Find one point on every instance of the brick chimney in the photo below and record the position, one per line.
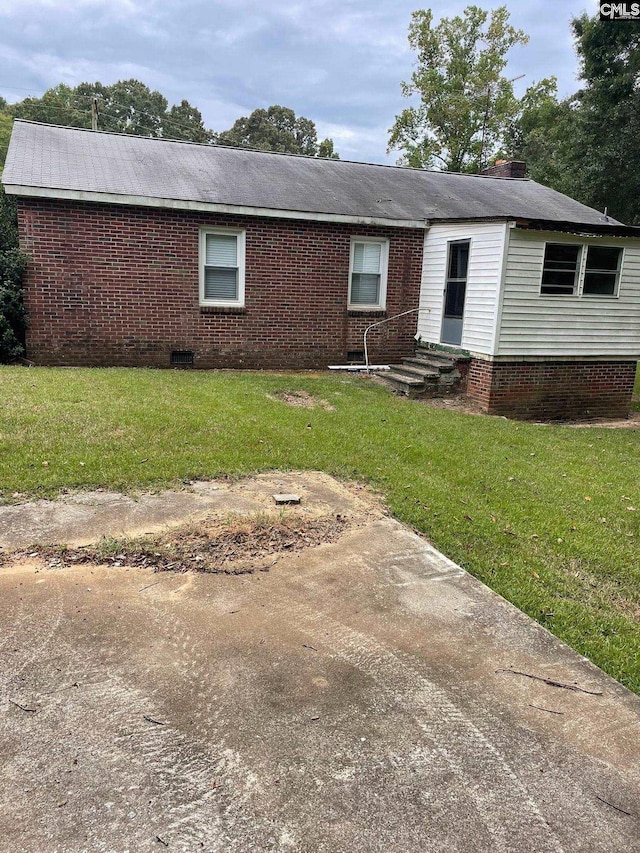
(506, 169)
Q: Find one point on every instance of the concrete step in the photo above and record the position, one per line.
(428, 373)
(426, 352)
(409, 385)
(420, 370)
(435, 364)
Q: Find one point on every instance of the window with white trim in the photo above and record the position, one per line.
(560, 269)
(368, 274)
(571, 269)
(602, 271)
(222, 267)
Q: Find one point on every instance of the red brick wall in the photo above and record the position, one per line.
(549, 390)
(116, 285)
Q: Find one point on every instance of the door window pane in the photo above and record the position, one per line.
(458, 260)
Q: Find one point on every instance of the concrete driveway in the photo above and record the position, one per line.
(356, 697)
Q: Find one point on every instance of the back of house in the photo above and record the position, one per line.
(151, 252)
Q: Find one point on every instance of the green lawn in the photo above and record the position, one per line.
(548, 516)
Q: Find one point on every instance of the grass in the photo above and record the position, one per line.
(548, 516)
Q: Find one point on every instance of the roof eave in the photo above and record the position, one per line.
(613, 229)
(208, 207)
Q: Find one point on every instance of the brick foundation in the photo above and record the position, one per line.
(553, 390)
(117, 285)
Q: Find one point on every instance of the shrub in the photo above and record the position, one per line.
(12, 266)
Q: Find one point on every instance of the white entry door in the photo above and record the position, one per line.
(454, 293)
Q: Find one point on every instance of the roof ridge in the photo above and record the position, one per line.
(264, 151)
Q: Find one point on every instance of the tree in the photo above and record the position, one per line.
(543, 135)
(127, 106)
(607, 124)
(6, 123)
(466, 103)
(58, 105)
(585, 145)
(277, 129)
(185, 122)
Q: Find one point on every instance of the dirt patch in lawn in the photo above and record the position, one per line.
(301, 399)
(456, 403)
(632, 422)
(466, 406)
(235, 545)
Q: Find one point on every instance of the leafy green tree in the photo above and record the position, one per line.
(586, 145)
(127, 106)
(277, 129)
(607, 127)
(184, 121)
(12, 266)
(327, 151)
(467, 105)
(543, 135)
(6, 123)
(58, 105)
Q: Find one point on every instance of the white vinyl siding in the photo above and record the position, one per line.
(368, 274)
(487, 244)
(221, 267)
(583, 324)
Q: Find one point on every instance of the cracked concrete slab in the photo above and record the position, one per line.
(361, 696)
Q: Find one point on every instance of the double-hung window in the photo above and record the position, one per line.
(368, 274)
(222, 267)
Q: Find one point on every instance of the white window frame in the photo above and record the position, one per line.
(581, 269)
(577, 276)
(241, 241)
(384, 269)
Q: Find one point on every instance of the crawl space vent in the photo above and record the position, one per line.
(182, 357)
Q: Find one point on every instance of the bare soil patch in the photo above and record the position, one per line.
(456, 403)
(465, 405)
(302, 399)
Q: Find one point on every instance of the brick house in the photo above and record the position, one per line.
(147, 252)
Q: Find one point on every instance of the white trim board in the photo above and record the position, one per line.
(207, 207)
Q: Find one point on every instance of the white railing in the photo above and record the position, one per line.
(380, 323)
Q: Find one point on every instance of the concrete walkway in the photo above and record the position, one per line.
(358, 697)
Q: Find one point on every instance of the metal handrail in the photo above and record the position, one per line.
(379, 323)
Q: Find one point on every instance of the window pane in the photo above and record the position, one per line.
(559, 255)
(558, 278)
(454, 299)
(458, 260)
(221, 283)
(366, 257)
(603, 258)
(603, 283)
(221, 250)
(559, 269)
(365, 289)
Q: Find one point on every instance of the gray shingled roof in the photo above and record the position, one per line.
(61, 158)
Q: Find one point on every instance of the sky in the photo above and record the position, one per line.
(337, 62)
